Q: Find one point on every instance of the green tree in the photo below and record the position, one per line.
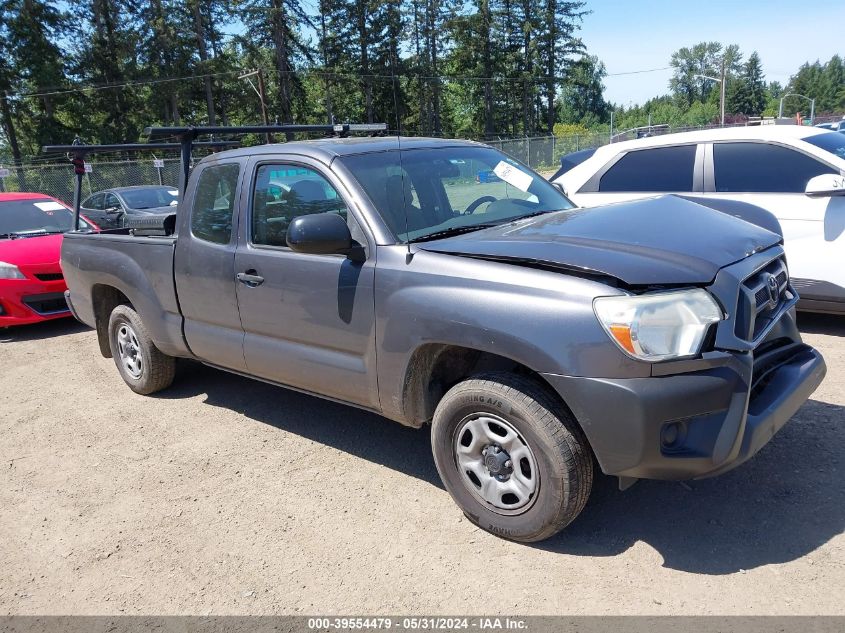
(582, 97)
(273, 26)
(692, 66)
(35, 73)
(557, 45)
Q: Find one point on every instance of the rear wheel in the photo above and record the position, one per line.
(141, 364)
(511, 456)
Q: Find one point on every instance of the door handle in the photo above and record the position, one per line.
(250, 278)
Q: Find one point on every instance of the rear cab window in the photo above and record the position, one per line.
(214, 203)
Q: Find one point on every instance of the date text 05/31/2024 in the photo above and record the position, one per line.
(416, 624)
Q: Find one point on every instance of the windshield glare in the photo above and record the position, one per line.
(150, 198)
(434, 190)
(41, 215)
(833, 142)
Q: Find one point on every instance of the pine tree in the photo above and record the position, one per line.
(557, 46)
(277, 27)
(36, 66)
(109, 58)
(755, 85)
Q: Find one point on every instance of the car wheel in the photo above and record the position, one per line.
(512, 457)
(140, 363)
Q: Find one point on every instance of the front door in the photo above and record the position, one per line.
(308, 319)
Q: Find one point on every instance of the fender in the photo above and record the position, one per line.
(540, 319)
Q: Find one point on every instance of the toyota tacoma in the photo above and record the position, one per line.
(651, 339)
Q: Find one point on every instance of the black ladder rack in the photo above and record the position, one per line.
(188, 134)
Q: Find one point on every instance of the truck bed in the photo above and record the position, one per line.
(141, 268)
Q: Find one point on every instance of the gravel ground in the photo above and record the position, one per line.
(228, 496)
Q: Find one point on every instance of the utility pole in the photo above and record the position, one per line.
(722, 92)
(721, 81)
(262, 96)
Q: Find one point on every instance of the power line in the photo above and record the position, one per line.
(305, 71)
(126, 84)
(638, 72)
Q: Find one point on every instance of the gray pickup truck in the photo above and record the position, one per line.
(442, 282)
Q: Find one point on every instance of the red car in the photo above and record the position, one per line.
(31, 282)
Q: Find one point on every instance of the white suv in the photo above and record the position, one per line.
(796, 173)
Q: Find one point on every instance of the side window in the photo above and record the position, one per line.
(759, 167)
(111, 201)
(647, 170)
(214, 203)
(284, 192)
(94, 202)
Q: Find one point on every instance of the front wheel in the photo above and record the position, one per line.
(141, 364)
(512, 457)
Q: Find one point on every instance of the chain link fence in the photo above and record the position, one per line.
(58, 180)
(543, 153)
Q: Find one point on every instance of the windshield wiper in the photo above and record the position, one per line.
(455, 230)
(536, 213)
(17, 235)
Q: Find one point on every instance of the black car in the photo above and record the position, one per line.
(108, 209)
(574, 159)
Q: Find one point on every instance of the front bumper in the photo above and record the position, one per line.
(711, 416)
(25, 301)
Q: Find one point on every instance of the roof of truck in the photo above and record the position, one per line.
(327, 149)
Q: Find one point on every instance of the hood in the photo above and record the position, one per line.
(657, 241)
(28, 251)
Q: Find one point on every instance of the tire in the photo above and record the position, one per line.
(540, 486)
(140, 363)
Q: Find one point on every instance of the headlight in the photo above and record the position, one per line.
(659, 326)
(9, 271)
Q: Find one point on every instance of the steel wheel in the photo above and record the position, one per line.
(496, 464)
(129, 350)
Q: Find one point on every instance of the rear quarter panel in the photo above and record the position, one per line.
(139, 267)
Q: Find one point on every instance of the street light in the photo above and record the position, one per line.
(795, 94)
(721, 83)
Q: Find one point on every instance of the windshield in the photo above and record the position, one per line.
(833, 142)
(22, 218)
(150, 198)
(460, 188)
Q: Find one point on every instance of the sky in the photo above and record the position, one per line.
(633, 36)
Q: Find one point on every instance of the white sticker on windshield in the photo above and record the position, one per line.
(513, 176)
(173, 192)
(49, 206)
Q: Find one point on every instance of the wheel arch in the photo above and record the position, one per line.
(434, 368)
(104, 299)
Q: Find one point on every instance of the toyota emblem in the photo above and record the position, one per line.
(774, 290)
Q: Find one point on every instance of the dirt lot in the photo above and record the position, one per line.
(225, 495)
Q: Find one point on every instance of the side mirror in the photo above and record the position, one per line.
(825, 186)
(320, 234)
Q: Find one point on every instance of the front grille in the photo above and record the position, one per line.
(761, 296)
(47, 303)
(49, 276)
